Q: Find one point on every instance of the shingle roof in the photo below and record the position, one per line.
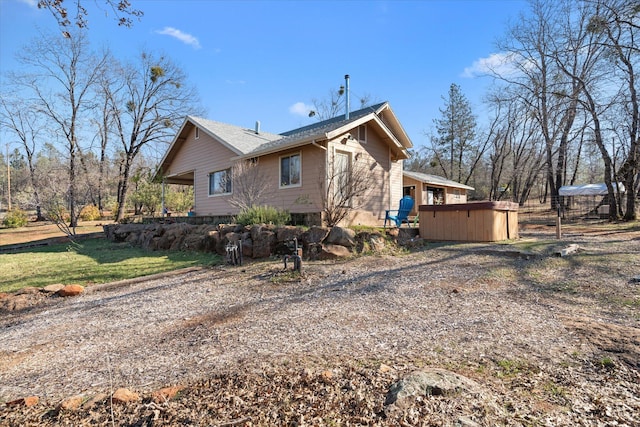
(242, 140)
(319, 129)
(435, 179)
(246, 141)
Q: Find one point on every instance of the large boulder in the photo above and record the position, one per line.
(329, 251)
(369, 242)
(263, 243)
(288, 232)
(430, 382)
(193, 242)
(247, 247)
(211, 240)
(341, 236)
(313, 236)
(173, 236)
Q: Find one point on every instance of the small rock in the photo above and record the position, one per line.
(27, 290)
(25, 401)
(326, 376)
(634, 280)
(72, 403)
(93, 401)
(52, 289)
(166, 393)
(71, 290)
(466, 422)
(569, 250)
(3, 295)
(124, 396)
(306, 374)
(384, 368)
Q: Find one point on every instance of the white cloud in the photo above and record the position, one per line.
(31, 3)
(183, 37)
(502, 64)
(300, 109)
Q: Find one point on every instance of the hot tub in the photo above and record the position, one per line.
(469, 222)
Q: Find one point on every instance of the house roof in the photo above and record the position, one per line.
(238, 139)
(247, 143)
(435, 180)
(381, 114)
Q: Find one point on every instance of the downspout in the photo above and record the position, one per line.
(326, 159)
(162, 201)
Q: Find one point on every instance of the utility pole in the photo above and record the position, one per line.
(8, 178)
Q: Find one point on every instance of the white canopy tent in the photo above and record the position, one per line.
(588, 189)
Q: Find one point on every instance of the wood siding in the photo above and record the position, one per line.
(203, 156)
(420, 194)
(469, 222)
(373, 156)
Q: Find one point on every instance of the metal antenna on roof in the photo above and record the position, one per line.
(347, 106)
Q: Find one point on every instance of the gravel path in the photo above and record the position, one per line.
(467, 307)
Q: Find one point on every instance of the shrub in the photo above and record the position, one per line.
(263, 215)
(90, 213)
(57, 213)
(15, 218)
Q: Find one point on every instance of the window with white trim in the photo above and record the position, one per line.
(290, 171)
(197, 133)
(362, 134)
(220, 182)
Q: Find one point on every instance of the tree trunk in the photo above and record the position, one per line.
(123, 187)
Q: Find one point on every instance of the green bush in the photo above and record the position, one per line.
(90, 213)
(263, 215)
(15, 218)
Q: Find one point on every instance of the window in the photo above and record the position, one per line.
(362, 134)
(290, 170)
(197, 133)
(220, 182)
(342, 173)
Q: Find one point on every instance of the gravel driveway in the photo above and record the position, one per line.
(469, 308)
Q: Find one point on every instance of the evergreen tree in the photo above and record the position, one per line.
(456, 133)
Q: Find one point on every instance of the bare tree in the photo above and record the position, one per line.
(550, 97)
(250, 185)
(617, 21)
(59, 74)
(343, 187)
(22, 121)
(148, 101)
(121, 9)
(334, 104)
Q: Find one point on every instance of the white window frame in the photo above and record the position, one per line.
(288, 156)
(212, 176)
(362, 129)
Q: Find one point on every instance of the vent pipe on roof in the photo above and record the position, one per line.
(257, 127)
(347, 106)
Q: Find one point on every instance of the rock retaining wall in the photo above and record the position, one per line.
(257, 241)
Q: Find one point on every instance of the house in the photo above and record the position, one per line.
(302, 168)
(429, 189)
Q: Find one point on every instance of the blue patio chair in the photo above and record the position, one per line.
(402, 214)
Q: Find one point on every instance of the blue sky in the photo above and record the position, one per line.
(267, 60)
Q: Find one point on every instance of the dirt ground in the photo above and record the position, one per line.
(546, 340)
(36, 232)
